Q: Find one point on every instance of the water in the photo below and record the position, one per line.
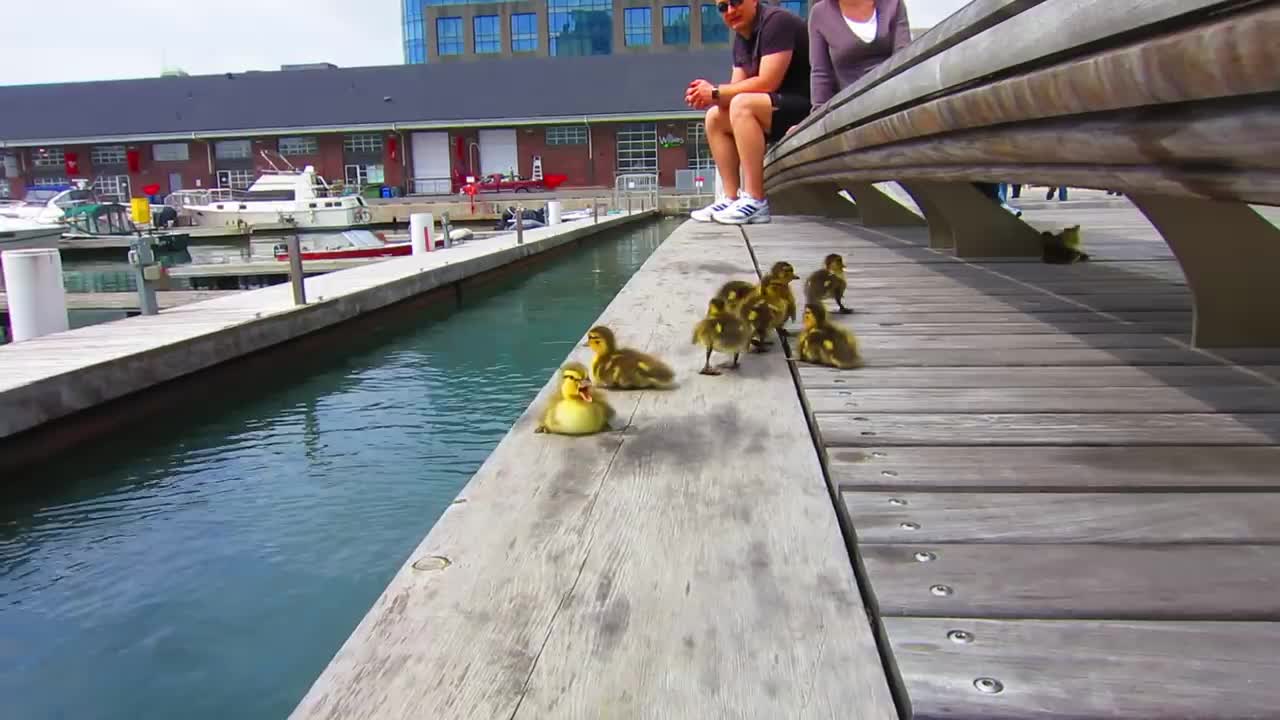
(213, 571)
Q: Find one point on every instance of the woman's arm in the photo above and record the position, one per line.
(901, 27)
(822, 79)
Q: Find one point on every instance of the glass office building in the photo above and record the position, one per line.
(449, 30)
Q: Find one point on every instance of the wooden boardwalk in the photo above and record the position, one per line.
(1061, 509)
(129, 300)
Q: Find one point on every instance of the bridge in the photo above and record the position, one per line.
(1053, 491)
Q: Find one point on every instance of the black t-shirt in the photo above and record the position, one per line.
(777, 30)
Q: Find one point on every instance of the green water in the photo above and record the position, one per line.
(210, 566)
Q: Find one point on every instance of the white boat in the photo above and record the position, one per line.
(279, 199)
(48, 204)
(23, 234)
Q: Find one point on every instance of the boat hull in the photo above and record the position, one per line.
(318, 219)
(389, 250)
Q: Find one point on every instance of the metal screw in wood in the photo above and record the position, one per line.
(897, 501)
(909, 526)
(960, 636)
(941, 590)
(925, 556)
(987, 685)
(889, 473)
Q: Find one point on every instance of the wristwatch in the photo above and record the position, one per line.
(715, 92)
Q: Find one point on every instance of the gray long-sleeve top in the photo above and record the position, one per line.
(838, 57)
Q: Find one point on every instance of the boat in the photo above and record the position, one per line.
(22, 234)
(278, 199)
(112, 221)
(48, 204)
(356, 244)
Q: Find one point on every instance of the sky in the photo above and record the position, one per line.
(81, 40)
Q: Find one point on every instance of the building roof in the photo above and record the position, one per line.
(492, 92)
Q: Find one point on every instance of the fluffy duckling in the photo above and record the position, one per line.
(721, 330)
(765, 309)
(578, 410)
(624, 368)
(1063, 248)
(828, 282)
(824, 343)
(734, 292)
(783, 273)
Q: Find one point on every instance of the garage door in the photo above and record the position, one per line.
(431, 172)
(498, 152)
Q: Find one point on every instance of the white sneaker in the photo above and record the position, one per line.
(705, 214)
(744, 211)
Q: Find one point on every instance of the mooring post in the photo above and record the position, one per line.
(143, 261)
(595, 210)
(295, 270)
(519, 225)
(446, 229)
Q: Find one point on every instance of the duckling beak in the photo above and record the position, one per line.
(584, 391)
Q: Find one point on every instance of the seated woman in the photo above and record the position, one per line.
(848, 39)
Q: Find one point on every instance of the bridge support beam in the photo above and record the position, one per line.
(1231, 257)
(817, 199)
(880, 210)
(977, 226)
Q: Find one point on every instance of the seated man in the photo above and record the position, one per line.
(767, 95)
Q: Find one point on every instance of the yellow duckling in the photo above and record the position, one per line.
(578, 410)
(765, 309)
(828, 282)
(824, 343)
(734, 292)
(783, 273)
(721, 330)
(624, 368)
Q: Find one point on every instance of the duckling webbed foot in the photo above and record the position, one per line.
(708, 370)
(843, 310)
(540, 429)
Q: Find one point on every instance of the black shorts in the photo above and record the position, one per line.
(788, 111)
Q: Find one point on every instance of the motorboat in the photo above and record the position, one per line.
(278, 199)
(48, 204)
(357, 244)
(23, 234)
(107, 221)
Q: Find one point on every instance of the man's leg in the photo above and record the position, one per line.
(723, 150)
(751, 116)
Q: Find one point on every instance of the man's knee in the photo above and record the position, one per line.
(716, 118)
(748, 106)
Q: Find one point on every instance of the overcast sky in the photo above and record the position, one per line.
(75, 40)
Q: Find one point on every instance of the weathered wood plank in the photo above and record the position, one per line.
(1079, 669)
(1034, 357)
(1199, 399)
(1020, 303)
(1137, 429)
(1179, 329)
(1046, 376)
(1008, 341)
(1178, 319)
(1033, 518)
(1064, 469)
(1137, 582)
(563, 596)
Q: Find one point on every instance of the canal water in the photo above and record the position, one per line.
(208, 565)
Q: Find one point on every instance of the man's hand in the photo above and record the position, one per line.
(698, 95)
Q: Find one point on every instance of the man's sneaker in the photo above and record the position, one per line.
(704, 215)
(745, 210)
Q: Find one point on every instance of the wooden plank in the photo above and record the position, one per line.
(1199, 399)
(1064, 469)
(872, 343)
(1112, 582)
(871, 320)
(1035, 518)
(1082, 669)
(1035, 357)
(129, 300)
(1047, 376)
(1138, 429)
(1021, 303)
(558, 581)
(1178, 328)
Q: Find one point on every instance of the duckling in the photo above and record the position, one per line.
(1063, 248)
(734, 292)
(624, 368)
(824, 343)
(578, 410)
(783, 273)
(764, 309)
(827, 283)
(721, 330)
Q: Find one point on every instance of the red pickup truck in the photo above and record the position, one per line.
(496, 182)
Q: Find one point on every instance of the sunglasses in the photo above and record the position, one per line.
(723, 5)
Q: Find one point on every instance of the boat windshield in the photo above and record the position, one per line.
(73, 198)
(41, 196)
(272, 194)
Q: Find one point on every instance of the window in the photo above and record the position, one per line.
(415, 50)
(107, 155)
(306, 145)
(524, 32)
(232, 149)
(8, 166)
(795, 6)
(487, 33)
(449, 35)
(713, 28)
(580, 27)
(48, 157)
(367, 143)
(637, 27)
(567, 135)
(112, 186)
(235, 179)
(170, 152)
(675, 25)
(364, 174)
(48, 180)
(638, 148)
(699, 152)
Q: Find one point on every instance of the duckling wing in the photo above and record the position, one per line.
(654, 368)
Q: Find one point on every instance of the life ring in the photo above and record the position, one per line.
(363, 215)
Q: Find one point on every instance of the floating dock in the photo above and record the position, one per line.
(1037, 500)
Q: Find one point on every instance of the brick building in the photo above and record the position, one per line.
(418, 128)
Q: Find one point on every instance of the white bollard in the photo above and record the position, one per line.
(553, 212)
(420, 227)
(37, 298)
